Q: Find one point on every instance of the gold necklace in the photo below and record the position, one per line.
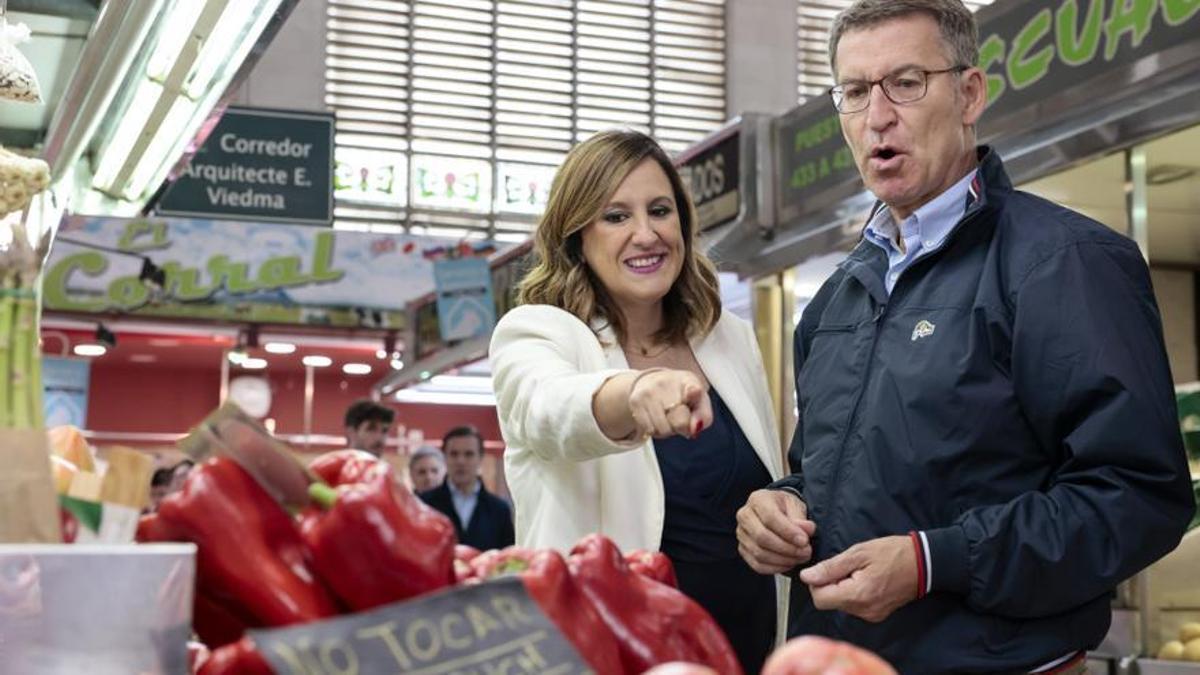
(645, 352)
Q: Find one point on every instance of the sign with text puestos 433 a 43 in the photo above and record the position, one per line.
(494, 627)
(262, 164)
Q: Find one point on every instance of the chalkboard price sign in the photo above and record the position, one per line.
(493, 628)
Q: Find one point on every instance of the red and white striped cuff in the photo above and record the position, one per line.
(924, 571)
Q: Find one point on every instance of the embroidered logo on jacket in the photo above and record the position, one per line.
(923, 329)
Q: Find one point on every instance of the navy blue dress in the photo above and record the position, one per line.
(707, 480)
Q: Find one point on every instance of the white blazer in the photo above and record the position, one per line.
(567, 479)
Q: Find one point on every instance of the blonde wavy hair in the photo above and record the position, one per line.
(581, 189)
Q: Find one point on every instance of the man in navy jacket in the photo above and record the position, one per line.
(481, 519)
(987, 440)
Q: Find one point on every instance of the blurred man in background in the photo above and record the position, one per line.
(427, 468)
(367, 426)
(480, 518)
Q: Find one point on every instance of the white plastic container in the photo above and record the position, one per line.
(95, 609)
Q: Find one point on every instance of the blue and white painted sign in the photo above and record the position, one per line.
(239, 271)
(464, 298)
(65, 390)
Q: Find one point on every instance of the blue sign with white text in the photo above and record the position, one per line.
(464, 298)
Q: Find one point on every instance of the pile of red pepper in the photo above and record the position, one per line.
(366, 541)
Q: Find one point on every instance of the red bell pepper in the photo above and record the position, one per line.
(463, 555)
(252, 563)
(653, 622)
(812, 655)
(68, 524)
(466, 553)
(342, 466)
(197, 654)
(545, 576)
(218, 624)
(653, 565)
(377, 543)
(239, 658)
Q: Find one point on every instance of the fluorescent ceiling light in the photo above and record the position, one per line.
(161, 145)
(237, 356)
(222, 43)
(254, 364)
(356, 369)
(175, 26)
(90, 350)
(279, 347)
(197, 48)
(443, 398)
(459, 383)
(317, 361)
(120, 145)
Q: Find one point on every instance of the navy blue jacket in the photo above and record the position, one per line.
(1028, 426)
(491, 523)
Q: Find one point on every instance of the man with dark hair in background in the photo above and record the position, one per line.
(367, 426)
(481, 519)
(160, 486)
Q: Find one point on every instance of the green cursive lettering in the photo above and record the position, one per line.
(322, 270)
(1076, 48)
(1177, 12)
(139, 228)
(1024, 68)
(1132, 18)
(991, 52)
(55, 283)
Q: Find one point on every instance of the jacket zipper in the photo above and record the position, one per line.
(877, 320)
(835, 493)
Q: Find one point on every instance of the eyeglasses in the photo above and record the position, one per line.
(904, 86)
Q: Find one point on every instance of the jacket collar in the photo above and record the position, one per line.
(992, 185)
(867, 262)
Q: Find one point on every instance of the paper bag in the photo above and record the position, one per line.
(28, 504)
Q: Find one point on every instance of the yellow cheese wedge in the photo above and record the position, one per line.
(68, 442)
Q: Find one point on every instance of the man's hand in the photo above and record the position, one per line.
(868, 580)
(774, 531)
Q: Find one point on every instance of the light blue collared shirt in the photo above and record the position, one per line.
(464, 502)
(924, 232)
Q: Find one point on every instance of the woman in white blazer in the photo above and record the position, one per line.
(630, 404)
